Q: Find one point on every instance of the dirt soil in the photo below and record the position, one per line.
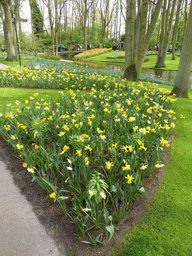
(57, 225)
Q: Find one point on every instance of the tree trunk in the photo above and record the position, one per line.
(137, 36)
(56, 28)
(176, 29)
(162, 35)
(183, 74)
(8, 31)
(51, 25)
(161, 56)
(142, 32)
(130, 58)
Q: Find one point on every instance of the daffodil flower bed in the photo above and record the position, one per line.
(52, 79)
(91, 150)
(91, 53)
(57, 75)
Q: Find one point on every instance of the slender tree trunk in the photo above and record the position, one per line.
(51, 25)
(130, 58)
(183, 74)
(162, 55)
(162, 34)
(142, 32)
(176, 29)
(56, 28)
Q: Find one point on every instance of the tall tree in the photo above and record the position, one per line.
(137, 35)
(84, 7)
(175, 30)
(59, 7)
(8, 31)
(36, 18)
(167, 20)
(106, 14)
(181, 84)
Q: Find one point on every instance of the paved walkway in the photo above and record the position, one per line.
(21, 234)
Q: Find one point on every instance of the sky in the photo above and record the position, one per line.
(26, 14)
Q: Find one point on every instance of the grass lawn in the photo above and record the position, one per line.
(150, 64)
(166, 227)
(102, 58)
(10, 95)
(170, 64)
(14, 64)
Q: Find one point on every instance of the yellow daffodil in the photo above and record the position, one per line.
(86, 209)
(143, 167)
(132, 119)
(109, 165)
(31, 170)
(78, 152)
(129, 178)
(88, 148)
(25, 165)
(65, 148)
(52, 195)
(127, 167)
(159, 165)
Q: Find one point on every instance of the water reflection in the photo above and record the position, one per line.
(165, 75)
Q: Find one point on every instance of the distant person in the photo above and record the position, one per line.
(2, 48)
(73, 46)
(170, 48)
(121, 46)
(103, 46)
(61, 48)
(78, 47)
(98, 46)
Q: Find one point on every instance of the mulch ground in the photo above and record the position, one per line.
(57, 225)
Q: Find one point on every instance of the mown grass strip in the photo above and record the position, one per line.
(166, 227)
(10, 95)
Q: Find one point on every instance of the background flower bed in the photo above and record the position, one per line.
(91, 53)
(57, 75)
(91, 150)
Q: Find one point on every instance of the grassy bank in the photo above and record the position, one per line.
(166, 227)
(149, 64)
(14, 64)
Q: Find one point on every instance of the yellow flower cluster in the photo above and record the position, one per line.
(91, 53)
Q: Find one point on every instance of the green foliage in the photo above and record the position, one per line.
(49, 57)
(69, 36)
(165, 229)
(31, 43)
(37, 19)
(94, 241)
